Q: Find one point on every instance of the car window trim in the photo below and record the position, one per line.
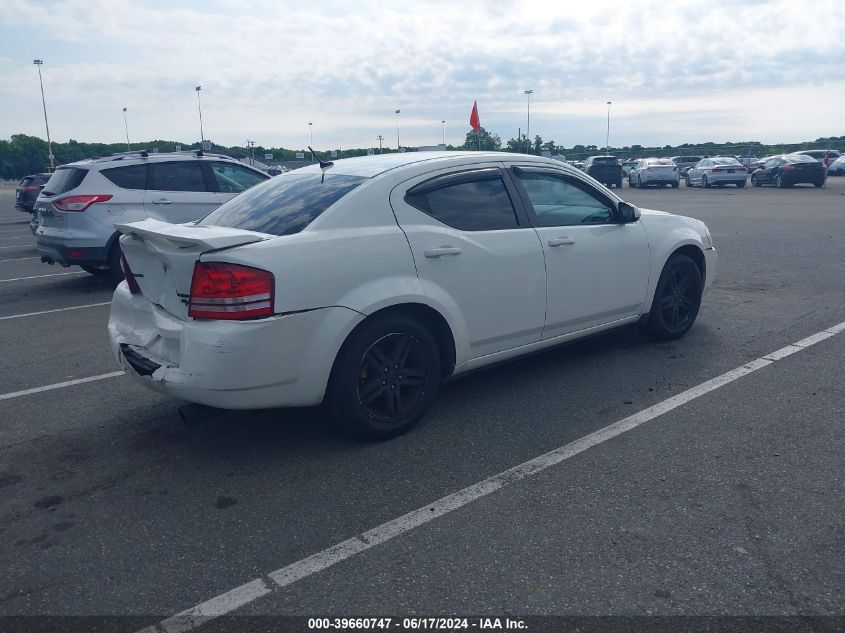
(526, 200)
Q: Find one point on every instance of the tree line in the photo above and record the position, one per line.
(22, 155)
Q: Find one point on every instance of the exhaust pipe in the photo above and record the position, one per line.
(193, 414)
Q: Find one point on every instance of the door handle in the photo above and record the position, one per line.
(433, 253)
(559, 241)
(162, 201)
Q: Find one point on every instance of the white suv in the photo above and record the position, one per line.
(75, 214)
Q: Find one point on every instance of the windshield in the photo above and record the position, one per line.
(284, 205)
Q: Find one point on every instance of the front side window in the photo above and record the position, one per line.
(559, 201)
(181, 176)
(285, 204)
(234, 178)
(480, 202)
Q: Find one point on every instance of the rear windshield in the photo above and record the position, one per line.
(284, 205)
(660, 161)
(64, 179)
(26, 181)
(726, 161)
(605, 160)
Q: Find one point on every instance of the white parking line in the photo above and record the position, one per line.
(79, 272)
(20, 237)
(6, 248)
(16, 259)
(59, 385)
(275, 580)
(29, 314)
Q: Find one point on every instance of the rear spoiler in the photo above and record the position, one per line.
(207, 236)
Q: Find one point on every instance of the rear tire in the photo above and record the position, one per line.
(740, 185)
(97, 271)
(675, 185)
(779, 182)
(677, 299)
(818, 184)
(384, 379)
(704, 182)
(619, 183)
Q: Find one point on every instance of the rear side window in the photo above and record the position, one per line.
(64, 179)
(132, 177)
(233, 178)
(182, 176)
(475, 202)
(284, 205)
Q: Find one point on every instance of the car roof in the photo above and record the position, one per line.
(371, 166)
(144, 155)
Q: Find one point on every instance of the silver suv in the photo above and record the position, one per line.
(75, 213)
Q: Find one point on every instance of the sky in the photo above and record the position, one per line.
(674, 71)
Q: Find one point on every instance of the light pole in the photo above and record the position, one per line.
(38, 63)
(398, 147)
(444, 133)
(311, 132)
(380, 139)
(126, 125)
(251, 145)
(199, 106)
(528, 94)
(607, 141)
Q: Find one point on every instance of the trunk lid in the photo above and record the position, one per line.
(162, 257)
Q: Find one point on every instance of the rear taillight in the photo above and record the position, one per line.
(230, 291)
(130, 278)
(789, 167)
(79, 203)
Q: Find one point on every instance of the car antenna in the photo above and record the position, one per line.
(324, 164)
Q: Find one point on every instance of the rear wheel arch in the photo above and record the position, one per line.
(427, 316)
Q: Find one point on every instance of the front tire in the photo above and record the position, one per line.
(755, 181)
(780, 183)
(384, 378)
(704, 182)
(677, 299)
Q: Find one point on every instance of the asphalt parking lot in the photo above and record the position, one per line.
(728, 504)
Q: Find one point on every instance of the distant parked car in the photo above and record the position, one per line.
(747, 161)
(718, 171)
(605, 169)
(789, 169)
(683, 163)
(28, 190)
(819, 154)
(79, 206)
(627, 166)
(654, 171)
(837, 167)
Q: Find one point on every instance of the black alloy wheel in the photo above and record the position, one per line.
(392, 377)
(779, 182)
(755, 181)
(677, 299)
(384, 378)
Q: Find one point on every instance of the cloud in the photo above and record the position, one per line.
(269, 67)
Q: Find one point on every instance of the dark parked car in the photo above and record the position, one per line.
(683, 163)
(28, 191)
(819, 154)
(605, 169)
(788, 170)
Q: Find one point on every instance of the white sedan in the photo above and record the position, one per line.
(718, 171)
(654, 171)
(365, 283)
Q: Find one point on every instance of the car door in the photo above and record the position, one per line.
(597, 268)
(476, 255)
(179, 191)
(770, 167)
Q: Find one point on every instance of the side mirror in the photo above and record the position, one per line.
(628, 212)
